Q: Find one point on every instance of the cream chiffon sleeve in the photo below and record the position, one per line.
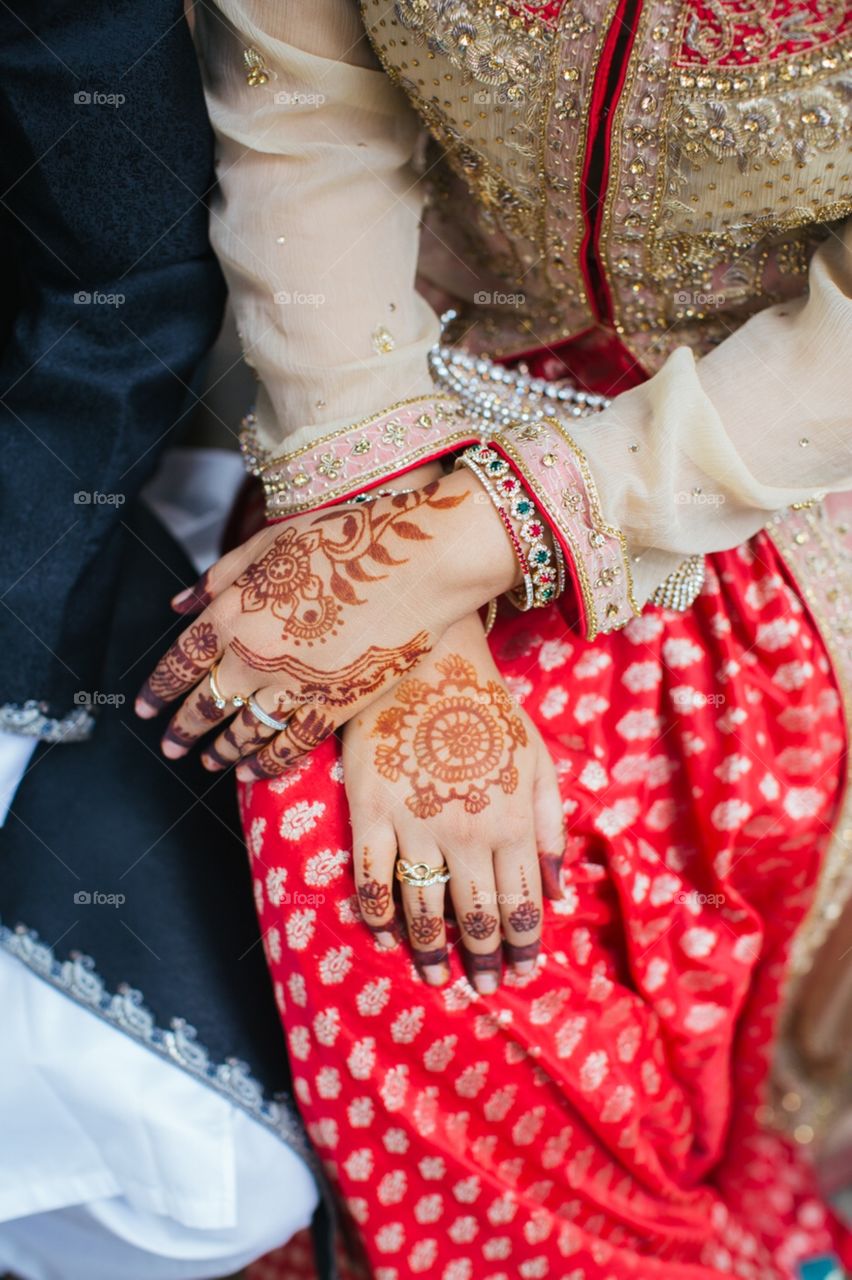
(316, 223)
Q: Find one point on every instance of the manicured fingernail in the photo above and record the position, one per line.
(436, 974)
(144, 709)
(212, 765)
(485, 983)
(173, 750)
(524, 967)
(181, 596)
(386, 940)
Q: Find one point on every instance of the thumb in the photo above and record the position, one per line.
(549, 822)
(219, 576)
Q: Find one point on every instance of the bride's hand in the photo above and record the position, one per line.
(317, 615)
(446, 768)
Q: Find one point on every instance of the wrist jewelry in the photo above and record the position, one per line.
(541, 569)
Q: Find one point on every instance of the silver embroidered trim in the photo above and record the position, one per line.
(30, 720)
(125, 1010)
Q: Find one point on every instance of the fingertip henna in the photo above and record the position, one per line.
(194, 598)
(522, 955)
(551, 874)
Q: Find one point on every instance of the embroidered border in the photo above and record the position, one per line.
(124, 1009)
(345, 462)
(557, 472)
(30, 720)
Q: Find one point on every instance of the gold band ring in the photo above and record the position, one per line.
(218, 697)
(420, 874)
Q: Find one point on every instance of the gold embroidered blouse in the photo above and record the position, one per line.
(673, 174)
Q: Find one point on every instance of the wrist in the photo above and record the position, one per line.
(472, 559)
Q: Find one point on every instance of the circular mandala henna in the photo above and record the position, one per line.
(453, 739)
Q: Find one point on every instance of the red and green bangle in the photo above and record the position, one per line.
(543, 579)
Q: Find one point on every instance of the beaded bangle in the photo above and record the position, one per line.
(496, 501)
(543, 573)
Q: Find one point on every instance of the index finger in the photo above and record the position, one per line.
(180, 668)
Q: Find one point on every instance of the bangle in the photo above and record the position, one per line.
(496, 502)
(543, 572)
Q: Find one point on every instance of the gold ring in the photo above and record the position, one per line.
(219, 699)
(420, 874)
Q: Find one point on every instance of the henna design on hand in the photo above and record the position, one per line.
(186, 662)
(424, 927)
(348, 684)
(373, 896)
(453, 740)
(302, 735)
(289, 579)
(479, 924)
(526, 916)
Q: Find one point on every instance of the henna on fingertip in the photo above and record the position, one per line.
(525, 954)
(551, 874)
(194, 598)
(214, 755)
(429, 959)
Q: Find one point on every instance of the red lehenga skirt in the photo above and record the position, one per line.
(604, 1117)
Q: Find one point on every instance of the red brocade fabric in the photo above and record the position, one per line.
(600, 1118)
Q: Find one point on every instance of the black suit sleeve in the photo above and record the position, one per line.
(111, 297)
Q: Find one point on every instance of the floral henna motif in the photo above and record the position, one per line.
(186, 662)
(373, 896)
(284, 582)
(349, 684)
(304, 577)
(479, 924)
(526, 916)
(453, 740)
(424, 927)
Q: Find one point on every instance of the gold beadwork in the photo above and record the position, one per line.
(256, 72)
